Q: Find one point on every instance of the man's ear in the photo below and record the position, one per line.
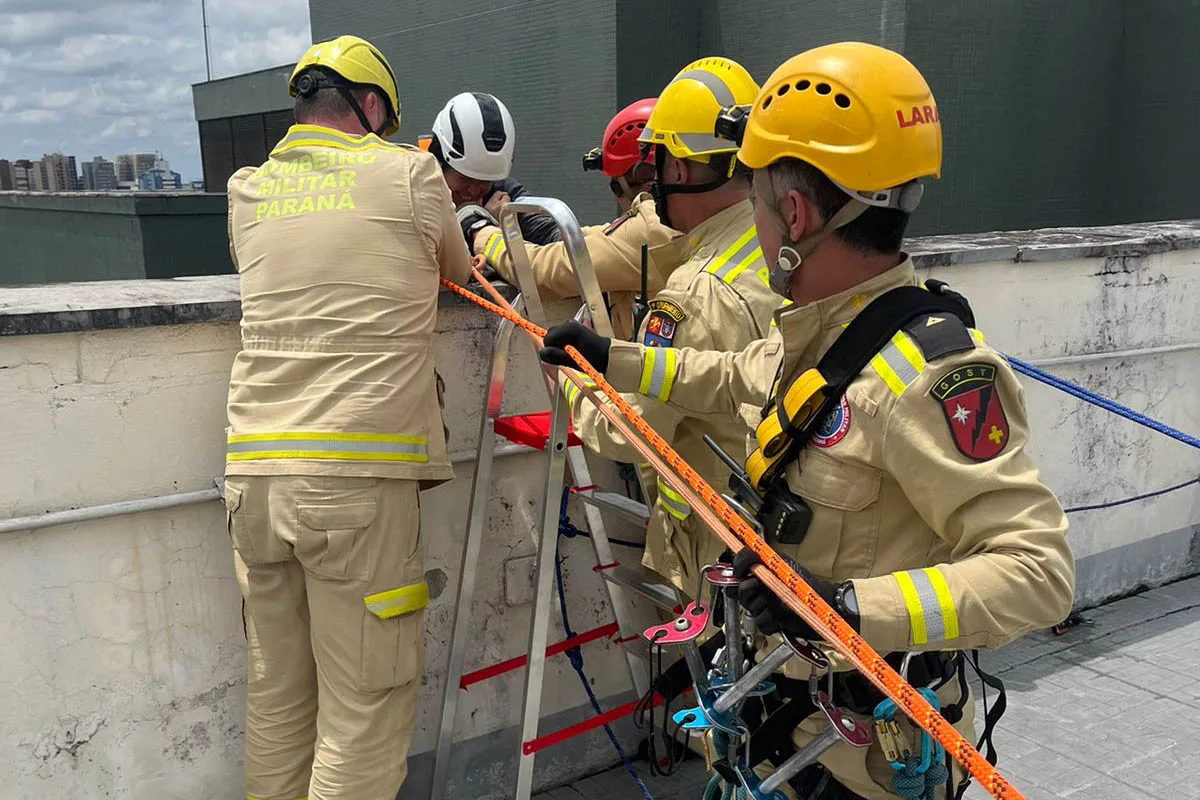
(677, 170)
(801, 214)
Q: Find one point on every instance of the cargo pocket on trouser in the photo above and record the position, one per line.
(392, 629)
(396, 595)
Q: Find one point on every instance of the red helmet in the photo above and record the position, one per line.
(621, 151)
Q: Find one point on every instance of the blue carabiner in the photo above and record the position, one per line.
(930, 750)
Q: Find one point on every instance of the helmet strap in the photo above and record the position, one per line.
(660, 189)
(792, 254)
(348, 96)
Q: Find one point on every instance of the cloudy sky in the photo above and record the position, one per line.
(101, 77)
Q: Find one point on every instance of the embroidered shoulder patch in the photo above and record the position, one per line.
(835, 426)
(973, 411)
(662, 323)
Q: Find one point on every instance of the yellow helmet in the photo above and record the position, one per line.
(356, 61)
(685, 115)
(861, 114)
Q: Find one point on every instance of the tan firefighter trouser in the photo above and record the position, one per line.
(331, 571)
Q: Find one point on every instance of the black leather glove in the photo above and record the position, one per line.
(592, 345)
(471, 218)
(769, 612)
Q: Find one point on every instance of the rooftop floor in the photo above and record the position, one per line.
(1109, 711)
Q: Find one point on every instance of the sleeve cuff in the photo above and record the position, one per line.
(883, 620)
(624, 366)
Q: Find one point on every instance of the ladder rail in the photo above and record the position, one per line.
(539, 629)
(468, 571)
(589, 287)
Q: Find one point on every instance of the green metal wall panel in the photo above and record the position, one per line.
(1025, 90)
(1156, 107)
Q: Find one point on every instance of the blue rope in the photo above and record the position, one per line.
(1135, 498)
(575, 654)
(1103, 402)
(567, 529)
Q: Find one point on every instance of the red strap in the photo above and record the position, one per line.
(479, 675)
(602, 567)
(579, 728)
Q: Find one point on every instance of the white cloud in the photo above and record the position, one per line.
(37, 115)
(112, 76)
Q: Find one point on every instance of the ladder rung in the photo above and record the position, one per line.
(637, 581)
(626, 506)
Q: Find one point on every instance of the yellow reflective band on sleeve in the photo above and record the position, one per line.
(395, 602)
(570, 391)
(673, 502)
(737, 257)
(930, 607)
(945, 602)
(912, 602)
(976, 335)
(898, 363)
(324, 446)
(658, 373)
(494, 248)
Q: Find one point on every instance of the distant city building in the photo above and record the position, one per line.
(130, 166)
(60, 173)
(39, 181)
(23, 172)
(144, 162)
(99, 175)
(124, 167)
(6, 175)
(197, 186)
(157, 180)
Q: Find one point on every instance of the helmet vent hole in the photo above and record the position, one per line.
(802, 85)
(767, 102)
(628, 127)
(783, 89)
(641, 125)
(823, 88)
(841, 100)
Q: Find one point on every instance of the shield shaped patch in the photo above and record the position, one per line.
(973, 410)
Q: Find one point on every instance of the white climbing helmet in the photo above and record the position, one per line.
(475, 135)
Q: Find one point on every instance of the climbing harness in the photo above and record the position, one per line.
(779, 578)
(792, 415)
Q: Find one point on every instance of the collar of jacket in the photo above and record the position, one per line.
(306, 135)
(809, 330)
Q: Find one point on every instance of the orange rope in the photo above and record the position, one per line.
(783, 581)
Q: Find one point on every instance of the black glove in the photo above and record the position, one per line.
(592, 345)
(769, 612)
(471, 218)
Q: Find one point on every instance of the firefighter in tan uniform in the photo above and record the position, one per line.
(931, 531)
(714, 297)
(615, 249)
(334, 425)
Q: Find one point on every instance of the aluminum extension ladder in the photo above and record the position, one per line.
(563, 452)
